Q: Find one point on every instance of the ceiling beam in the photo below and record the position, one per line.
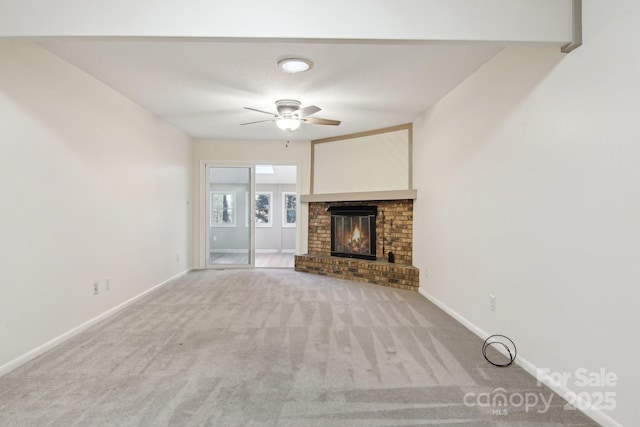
(547, 21)
(577, 28)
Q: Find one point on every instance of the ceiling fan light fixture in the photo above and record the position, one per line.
(295, 65)
(288, 123)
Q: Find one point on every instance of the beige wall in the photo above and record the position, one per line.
(528, 185)
(92, 187)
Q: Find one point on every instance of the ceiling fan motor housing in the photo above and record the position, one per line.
(287, 107)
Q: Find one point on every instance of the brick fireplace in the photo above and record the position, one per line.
(393, 233)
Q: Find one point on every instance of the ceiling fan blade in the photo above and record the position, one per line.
(259, 121)
(260, 111)
(308, 110)
(319, 121)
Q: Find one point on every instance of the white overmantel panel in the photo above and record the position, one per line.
(488, 20)
(377, 162)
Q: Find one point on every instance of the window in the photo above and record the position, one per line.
(223, 209)
(289, 205)
(263, 208)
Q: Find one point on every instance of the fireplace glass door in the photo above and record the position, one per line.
(353, 231)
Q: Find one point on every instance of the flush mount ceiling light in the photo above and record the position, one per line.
(295, 65)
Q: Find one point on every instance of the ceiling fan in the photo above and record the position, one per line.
(290, 115)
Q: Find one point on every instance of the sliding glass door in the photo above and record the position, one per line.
(229, 219)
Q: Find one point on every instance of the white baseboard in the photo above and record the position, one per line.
(466, 323)
(267, 251)
(288, 251)
(30, 355)
(596, 414)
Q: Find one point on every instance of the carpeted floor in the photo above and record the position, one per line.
(275, 348)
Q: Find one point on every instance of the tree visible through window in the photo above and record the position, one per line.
(263, 209)
(289, 205)
(223, 209)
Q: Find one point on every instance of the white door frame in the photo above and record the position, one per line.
(205, 207)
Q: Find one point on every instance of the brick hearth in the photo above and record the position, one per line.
(376, 272)
(395, 234)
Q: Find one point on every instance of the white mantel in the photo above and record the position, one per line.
(360, 196)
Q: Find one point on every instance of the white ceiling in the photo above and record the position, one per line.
(202, 86)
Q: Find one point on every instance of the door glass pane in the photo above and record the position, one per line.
(275, 216)
(229, 205)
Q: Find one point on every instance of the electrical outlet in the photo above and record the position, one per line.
(107, 284)
(492, 302)
(96, 286)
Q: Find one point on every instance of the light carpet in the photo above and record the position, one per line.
(274, 348)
